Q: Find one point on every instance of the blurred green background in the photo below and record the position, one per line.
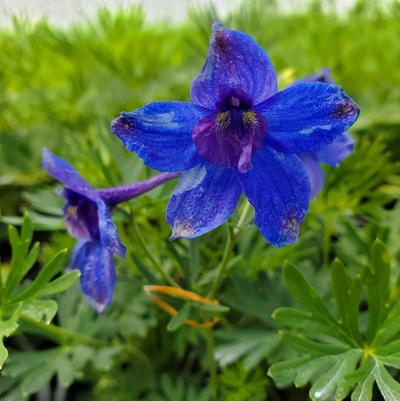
(61, 88)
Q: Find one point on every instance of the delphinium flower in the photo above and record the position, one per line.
(332, 154)
(238, 134)
(87, 215)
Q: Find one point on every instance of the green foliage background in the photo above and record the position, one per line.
(60, 88)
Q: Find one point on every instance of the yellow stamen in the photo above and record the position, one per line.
(223, 120)
(72, 211)
(250, 119)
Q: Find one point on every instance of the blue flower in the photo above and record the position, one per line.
(332, 154)
(239, 134)
(88, 218)
(87, 215)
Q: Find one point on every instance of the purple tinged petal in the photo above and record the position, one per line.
(96, 264)
(204, 199)
(161, 134)
(278, 187)
(340, 148)
(108, 232)
(237, 61)
(314, 171)
(66, 174)
(307, 116)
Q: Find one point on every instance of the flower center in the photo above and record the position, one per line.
(229, 137)
(80, 216)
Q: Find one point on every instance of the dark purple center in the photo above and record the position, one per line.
(80, 216)
(229, 137)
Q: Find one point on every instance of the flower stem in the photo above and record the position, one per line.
(58, 334)
(155, 263)
(230, 243)
(327, 238)
(223, 265)
(213, 381)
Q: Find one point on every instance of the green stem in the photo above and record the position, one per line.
(213, 381)
(223, 264)
(58, 334)
(230, 243)
(242, 219)
(157, 265)
(326, 244)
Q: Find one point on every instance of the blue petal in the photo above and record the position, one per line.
(235, 60)
(314, 171)
(108, 232)
(97, 269)
(161, 134)
(340, 148)
(307, 116)
(65, 173)
(203, 200)
(279, 189)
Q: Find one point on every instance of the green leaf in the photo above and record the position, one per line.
(7, 327)
(38, 378)
(378, 287)
(54, 266)
(285, 372)
(179, 319)
(389, 388)
(39, 309)
(22, 260)
(363, 390)
(250, 345)
(306, 295)
(60, 284)
(304, 321)
(347, 295)
(334, 381)
(316, 348)
(211, 308)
